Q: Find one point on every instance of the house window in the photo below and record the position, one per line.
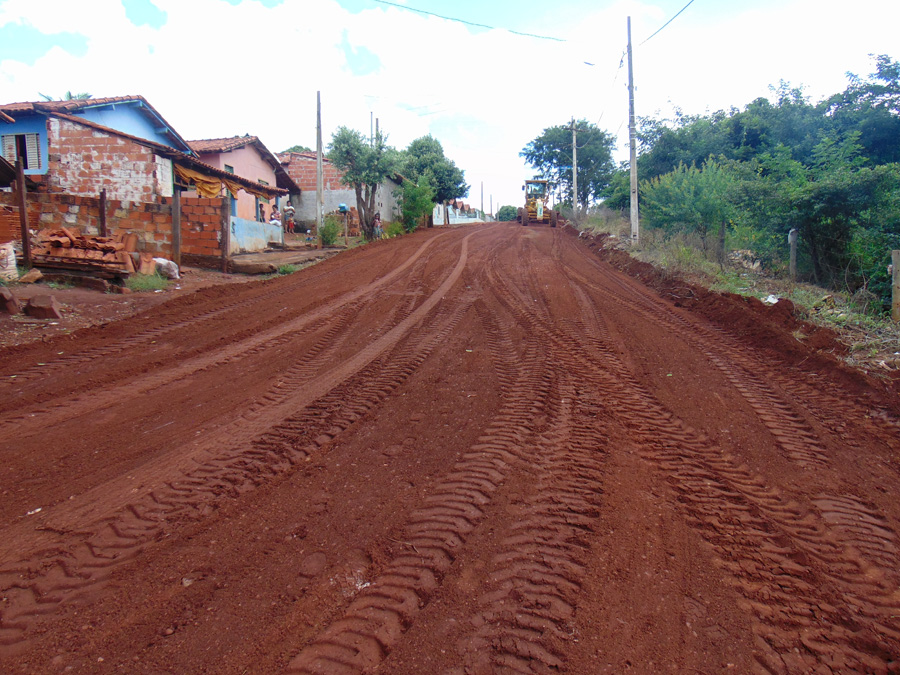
(230, 169)
(24, 146)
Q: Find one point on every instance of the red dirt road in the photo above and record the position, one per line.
(465, 451)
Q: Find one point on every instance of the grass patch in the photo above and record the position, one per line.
(146, 282)
(287, 268)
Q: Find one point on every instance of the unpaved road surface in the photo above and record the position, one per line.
(473, 450)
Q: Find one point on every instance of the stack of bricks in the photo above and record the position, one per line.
(201, 226)
(152, 222)
(10, 226)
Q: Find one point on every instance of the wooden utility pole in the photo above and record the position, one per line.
(176, 223)
(792, 240)
(895, 286)
(23, 212)
(320, 183)
(225, 225)
(104, 232)
(632, 146)
(574, 169)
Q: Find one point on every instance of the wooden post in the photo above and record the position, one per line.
(226, 233)
(103, 231)
(23, 212)
(895, 286)
(792, 240)
(176, 227)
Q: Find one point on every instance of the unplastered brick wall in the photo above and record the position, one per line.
(152, 222)
(302, 170)
(201, 227)
(83, 160)
(10, 225)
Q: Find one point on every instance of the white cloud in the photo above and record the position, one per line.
(214, 69)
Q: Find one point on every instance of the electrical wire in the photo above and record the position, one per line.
(667, 23)
(469, 23)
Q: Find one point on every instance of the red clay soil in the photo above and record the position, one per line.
(465, 451)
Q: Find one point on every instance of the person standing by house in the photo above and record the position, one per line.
(379, 233)
(289, 218)
(261, 216)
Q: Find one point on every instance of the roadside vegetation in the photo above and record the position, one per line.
(138, 283)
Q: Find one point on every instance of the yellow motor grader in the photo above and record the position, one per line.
(535, 209)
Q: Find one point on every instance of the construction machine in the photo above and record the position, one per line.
(535, 209)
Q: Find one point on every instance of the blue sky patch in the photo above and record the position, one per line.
(144, 13)
(27, 44)
(360, 60)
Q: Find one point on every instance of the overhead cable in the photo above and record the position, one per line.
(667, 23)
(468, 23)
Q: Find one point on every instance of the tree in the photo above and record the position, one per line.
(69, 96)
(425, 157)
(416, 202)
(364, 168)
(690, 198)
(551, 154)
(507, 213)
(298, 148)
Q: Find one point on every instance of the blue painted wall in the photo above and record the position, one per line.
(128, 118)
(30, 125)
(249, 235)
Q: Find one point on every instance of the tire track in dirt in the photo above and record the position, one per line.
(35, 587)
(815, 601)
(147, 336)
(527, 619)
(387, 606)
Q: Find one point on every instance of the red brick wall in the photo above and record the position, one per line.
(201, 221)
(10, 228)
(201, 226)
(82, 161)
(151, 222)
(302, 170)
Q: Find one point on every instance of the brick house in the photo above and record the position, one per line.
(301, 167)
(248, 157)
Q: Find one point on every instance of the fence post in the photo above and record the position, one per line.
(895, 286)
(792, 240)
(226, 232)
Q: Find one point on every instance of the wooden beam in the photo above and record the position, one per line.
(103, 231)
(23, 212)
(225, 242)
(176, 227)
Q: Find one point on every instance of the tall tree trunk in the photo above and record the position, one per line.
(721, 251)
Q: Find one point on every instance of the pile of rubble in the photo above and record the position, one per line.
(66, 248)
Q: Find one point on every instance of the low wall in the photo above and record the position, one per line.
(251, 235)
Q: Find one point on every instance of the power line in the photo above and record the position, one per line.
(667, 23)
(469, 23)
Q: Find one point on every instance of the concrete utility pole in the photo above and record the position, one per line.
(320, 182)
(23, 211)
(574, 168)
(632, 146)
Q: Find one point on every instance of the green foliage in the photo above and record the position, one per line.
(146, 282)
(690, 199)
(68, 96)
(829, 170)
(416, 201)
(425, 157)
(298, 148)
(551, 154)
(330, 230)
(287, 268)
(364, 166)
(507, 213)
(394, 229)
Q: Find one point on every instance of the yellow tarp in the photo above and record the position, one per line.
(211, 187)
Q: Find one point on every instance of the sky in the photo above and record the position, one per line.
(219, 68)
